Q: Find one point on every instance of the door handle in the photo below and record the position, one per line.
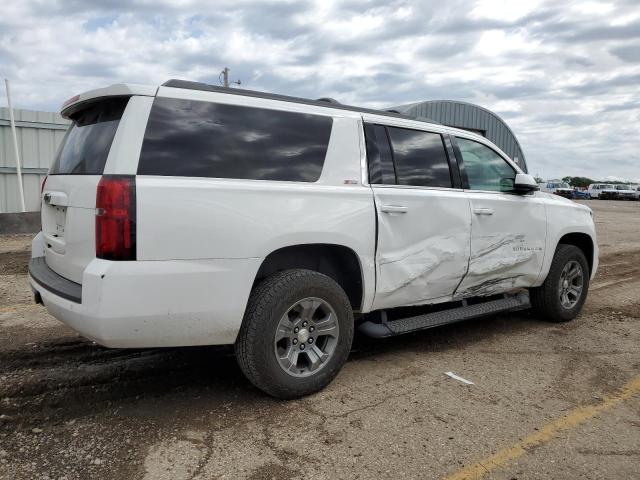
(394, 209)
(483, 211)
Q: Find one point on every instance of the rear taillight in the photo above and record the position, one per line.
(116, 218)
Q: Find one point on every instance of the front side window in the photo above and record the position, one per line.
(420, 158)
(485, 169)
(202, 139)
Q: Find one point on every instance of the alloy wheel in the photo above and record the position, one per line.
(306, 337)
(571, 283)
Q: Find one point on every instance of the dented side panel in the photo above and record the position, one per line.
(507, 245)
(423, 253)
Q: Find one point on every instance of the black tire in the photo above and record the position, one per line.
(268, 303)
(546, 299)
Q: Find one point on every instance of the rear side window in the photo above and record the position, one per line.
(86, 145)
(202, 139)
(420, 158)
(379, 160)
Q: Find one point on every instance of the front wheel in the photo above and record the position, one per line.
(564, 291)
(296, 333)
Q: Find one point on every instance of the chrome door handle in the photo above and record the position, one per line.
(483, 211)
(394, 209)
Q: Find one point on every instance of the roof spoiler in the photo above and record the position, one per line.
(77, 102)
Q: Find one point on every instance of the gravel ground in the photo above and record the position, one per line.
(71, 409)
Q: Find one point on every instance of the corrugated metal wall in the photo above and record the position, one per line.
(39, 134)
(470, 117)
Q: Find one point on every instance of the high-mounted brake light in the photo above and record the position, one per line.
(116, 218)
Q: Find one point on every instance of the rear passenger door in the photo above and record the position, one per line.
(508, 230)
(423, 216)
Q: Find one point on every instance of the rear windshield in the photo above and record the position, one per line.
(86, 145)
(202, 139)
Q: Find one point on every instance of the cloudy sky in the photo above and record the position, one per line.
(564, 75)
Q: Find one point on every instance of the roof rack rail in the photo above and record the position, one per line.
(329, 100)
(323, 102)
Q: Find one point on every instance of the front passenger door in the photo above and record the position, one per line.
(508, 230)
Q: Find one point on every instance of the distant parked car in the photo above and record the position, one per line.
(626, 192)
(581, 194)
(637, 190)
(609, 193)
(558, 188)
(595, 189)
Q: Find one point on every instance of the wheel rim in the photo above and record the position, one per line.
(571, 283)
(306, 337)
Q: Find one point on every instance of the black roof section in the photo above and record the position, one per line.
(188, 85)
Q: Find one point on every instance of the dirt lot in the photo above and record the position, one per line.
(549, 401)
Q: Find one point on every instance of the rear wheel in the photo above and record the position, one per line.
(296, 333)
(564, 291)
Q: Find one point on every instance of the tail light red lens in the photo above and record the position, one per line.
(116, 218)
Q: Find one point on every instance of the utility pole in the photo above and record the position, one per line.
(15, 146)
(225, 78)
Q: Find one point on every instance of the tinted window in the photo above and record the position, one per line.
(202, 139)
(419, 157)
(86, 144)
(484, 168)
(379, 155)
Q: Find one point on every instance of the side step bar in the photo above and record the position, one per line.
(391, 328)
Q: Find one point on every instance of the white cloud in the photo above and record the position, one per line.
(565, 74)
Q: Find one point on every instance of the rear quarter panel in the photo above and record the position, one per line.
(187, 218)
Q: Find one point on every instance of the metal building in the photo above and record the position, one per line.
(39, 134)
(470, 117)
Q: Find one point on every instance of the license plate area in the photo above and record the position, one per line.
(60, 215)
(54, 220)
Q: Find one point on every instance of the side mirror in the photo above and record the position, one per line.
(525, 183)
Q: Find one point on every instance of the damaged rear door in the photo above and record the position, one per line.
(508, 231)
(423, 216)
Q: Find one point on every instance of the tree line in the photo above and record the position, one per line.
(584, 182)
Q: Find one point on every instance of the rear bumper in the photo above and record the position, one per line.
(151, 303)
(41, 274)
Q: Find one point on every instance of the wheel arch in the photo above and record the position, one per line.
(584, 242)
(338, 262)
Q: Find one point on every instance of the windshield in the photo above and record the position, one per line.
(622, 187)
(560, 185)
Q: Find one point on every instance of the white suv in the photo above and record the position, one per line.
(188, 214)
(558, 187)
(595, 190)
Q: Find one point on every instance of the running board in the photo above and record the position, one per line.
(390, 328)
